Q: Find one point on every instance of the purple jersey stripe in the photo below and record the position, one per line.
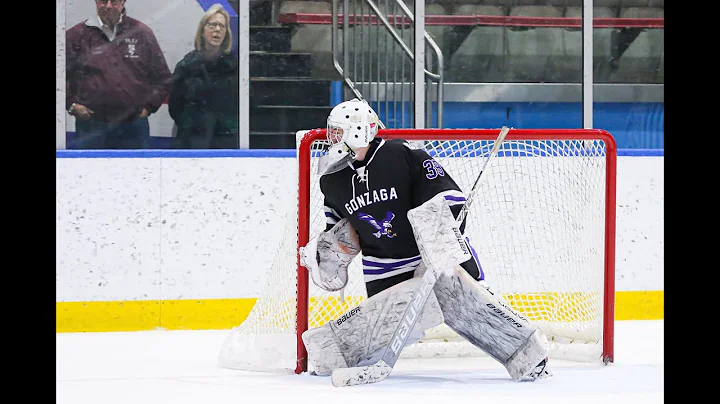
(475, 256)
(390, 265)
(330, 215)
(386, 270)
(455, 198)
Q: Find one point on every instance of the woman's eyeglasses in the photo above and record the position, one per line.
(213, 25)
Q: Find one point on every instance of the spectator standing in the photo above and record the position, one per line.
(204, 93)
(116, 77)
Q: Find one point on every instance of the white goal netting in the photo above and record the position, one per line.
(538, 224)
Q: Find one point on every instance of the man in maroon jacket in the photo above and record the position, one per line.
(116, 77)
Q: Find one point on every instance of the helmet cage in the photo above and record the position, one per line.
(335, 132)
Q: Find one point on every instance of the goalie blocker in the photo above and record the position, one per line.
(360, 336)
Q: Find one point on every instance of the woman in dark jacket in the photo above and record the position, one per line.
(204, 92)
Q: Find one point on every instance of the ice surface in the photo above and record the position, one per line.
(178, 367)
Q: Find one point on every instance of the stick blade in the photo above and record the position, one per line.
(343, 377)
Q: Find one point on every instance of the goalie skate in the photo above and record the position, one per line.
(538, 372)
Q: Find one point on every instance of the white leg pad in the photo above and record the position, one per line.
(487, 322)
(323, 350)
(360, 336)
(528, 356)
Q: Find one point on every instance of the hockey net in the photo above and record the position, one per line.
(542, 223)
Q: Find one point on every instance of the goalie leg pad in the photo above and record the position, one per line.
(323, 350)
(360, 336)
(487, 322)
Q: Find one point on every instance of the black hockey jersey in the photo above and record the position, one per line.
(375, 195)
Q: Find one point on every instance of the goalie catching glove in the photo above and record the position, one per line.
(327, 256)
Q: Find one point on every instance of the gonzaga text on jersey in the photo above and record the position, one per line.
(370, 197)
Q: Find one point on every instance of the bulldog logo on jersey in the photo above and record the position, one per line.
(383, 228)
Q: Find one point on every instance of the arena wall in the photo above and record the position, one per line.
(183, 239)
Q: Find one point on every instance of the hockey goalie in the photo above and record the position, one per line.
(371, 188)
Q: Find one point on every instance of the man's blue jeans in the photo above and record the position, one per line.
(96, 134)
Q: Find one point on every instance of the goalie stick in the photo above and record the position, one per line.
(378, 371)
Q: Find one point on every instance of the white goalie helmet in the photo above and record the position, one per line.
(353, 123)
